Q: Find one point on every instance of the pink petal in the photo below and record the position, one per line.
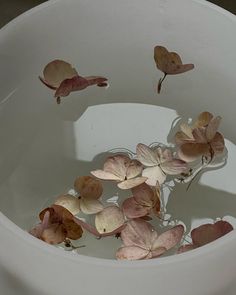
(57, 71)
(69, 202)
(174, 167)
(68, 85)
(170, 238)
(131, 253)
(132, 209)
(117, 165)
(146, 155)
(134, 169)
(137, 233)
(207, 233)
(218, 143)
(90, 206)
(155, 175)
(109, 219)
(144, 195)
(158, 252)
(104, 175)
(130, 183)
(186, 248)
(212, 128)
(95, 80)
(88, 187)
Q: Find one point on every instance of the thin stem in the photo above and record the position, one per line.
(160, 83)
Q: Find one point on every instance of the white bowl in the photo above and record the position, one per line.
(44, 146)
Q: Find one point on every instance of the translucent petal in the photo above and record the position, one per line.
(203, 120)
(212, 128)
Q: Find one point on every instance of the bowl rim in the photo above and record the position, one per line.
(18, 232)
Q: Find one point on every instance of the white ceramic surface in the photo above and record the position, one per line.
(43, 146)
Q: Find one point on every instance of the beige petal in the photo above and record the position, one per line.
(69, 202)
(117, 165)
(131, 253)
(101, 174)
(203, 120)
(154, 175)
(147, 156)
(130, 183)
(134, 169)
(57, 71)
(90, 206)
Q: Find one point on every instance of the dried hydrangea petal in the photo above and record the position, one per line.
(132, 209)
(73, 230)
(69, 202)
(55, 234)
(203, 120)
(174, 167)
(131, 253)
(88, 187)
(186, 248)
(189, 152)
(130, 183)
(146, 155)
(144, 195)
(134, 169)
(154, 175)
(212, 128)
(101, 174)
(90, 206)
(109, 219)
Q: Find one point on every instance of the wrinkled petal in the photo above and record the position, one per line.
(55, 234)
(96, 80)
(57, 71)
(218, 143)
(105, 175)
(69, 202)
(117, 165)
(147, 156)
(174, 167)
(109, 219)
(134, 169)
(132, 209)
(137, 233)
(189, 152)
(88, 187)
(155, 175)
(131, 253)
(212, 128)
(90, 206)
(207, 233)
(181, 137)
(130, 183)
(186, 248)
(199, 135)
(170, 238)
(74, 230)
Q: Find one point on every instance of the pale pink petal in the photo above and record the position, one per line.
(90, 206)
(131, 253)
(134, 169)
(170, 238)
(130, 183)
(57, 71)
(144, 195)
(132, 209)
(207, 233)
(218, 143)
(146, 155)
(186, 248)
(158, 252)
(190, 152)
(109, 219)
(68, 85)
(138, 233)
(212, 128)
(88, 187)
(69, 202)
(174, 167)
(155, 175)
(105, 175)
(117, 165)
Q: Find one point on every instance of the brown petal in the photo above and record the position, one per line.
(62, 212)
(88, 187)
(57, 71)
(95, 80)
(144, 195)
(203, 119)
(199, 135)
(181, 138)
(189, 152)
(218, 143)
(74, 230)
(132, 209)
(212, 128)
(68, 85)
(186, 248)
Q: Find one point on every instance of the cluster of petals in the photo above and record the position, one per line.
(200, 139)
(63, 78)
